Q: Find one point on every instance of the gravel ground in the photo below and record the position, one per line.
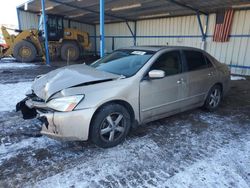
(191, 149)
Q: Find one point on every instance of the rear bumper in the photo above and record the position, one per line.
(67, 126)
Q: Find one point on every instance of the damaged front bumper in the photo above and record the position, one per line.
(73, 125)
(28, 113)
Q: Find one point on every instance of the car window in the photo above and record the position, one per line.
(195, 60)
(169, 62)
(209, 63)
(123, 62)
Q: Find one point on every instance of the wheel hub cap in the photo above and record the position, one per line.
(112, 127)
(25, 51)
(214, 98)
(71, 52)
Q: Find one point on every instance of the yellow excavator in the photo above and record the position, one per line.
(28, 45)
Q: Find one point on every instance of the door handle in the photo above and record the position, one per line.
(210, 74)
(181, 81)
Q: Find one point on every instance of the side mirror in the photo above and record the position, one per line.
(156, 74)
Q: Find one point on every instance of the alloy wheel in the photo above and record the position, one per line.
(112, 127)
(215, 98)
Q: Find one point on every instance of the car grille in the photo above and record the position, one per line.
(35, 98)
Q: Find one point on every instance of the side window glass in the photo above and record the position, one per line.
(60, 23)
(168, 62)
(195, 60)
(209, 63)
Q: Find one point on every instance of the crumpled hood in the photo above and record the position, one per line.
(66, 77)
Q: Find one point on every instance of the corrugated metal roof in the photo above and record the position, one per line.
(119, 10)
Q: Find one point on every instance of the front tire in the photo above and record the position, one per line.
(110, 126)
(214, 98)
(24, 51)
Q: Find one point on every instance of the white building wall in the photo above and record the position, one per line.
(237, 50)
(28, 20)
(121, 34)
(185, 31)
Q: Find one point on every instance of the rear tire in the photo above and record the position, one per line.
(110, 126)
(24, 51)
(71, 49)
(214, 98)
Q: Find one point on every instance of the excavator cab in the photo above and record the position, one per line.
(55, 27)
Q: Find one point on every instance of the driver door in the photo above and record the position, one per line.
(159, 97)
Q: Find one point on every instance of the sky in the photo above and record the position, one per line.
(8, 13)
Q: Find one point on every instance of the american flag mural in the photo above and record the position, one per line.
(223, 25)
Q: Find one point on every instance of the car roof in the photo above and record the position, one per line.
(158, 48)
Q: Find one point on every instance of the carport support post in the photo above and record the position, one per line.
(113, 43)
(206, 29)
(200, 25)
(95, 40)
(132, 33)
(45, 32)
(102, 32)
(135, 33)
(203, 31)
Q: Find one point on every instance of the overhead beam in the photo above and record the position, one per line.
(132, 33)
(206, 26)
(89, 10)
(129, 28)
(201, 27)
(198, 12)
(186, 6)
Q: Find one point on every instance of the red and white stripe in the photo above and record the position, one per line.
(222, 31)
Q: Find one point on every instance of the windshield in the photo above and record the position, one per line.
(123, 62)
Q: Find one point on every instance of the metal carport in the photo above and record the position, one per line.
(93, 11)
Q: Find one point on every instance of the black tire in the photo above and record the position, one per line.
(1, 51)
(103, 133)
(24, 51)
(213, 99)
(70, 48)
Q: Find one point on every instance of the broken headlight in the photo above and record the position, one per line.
(65, 104)
(29, 92)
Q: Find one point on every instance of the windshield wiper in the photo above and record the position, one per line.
(122, 76)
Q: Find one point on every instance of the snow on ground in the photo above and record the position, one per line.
(225, 166)
(223, 169)
(113, 161)
(153, 162)
(192, 149)
(8, 59)
(12, 65)
(9, 150)
(11, 94)
(237, 77)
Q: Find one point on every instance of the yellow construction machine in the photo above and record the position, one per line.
(28, 45)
